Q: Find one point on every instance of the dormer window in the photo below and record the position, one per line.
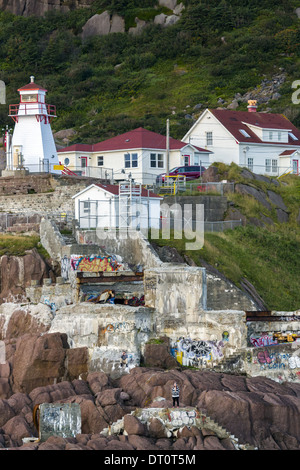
(29, 98)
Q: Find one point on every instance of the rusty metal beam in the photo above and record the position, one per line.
(109, 279)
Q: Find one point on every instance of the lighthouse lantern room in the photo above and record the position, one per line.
(32, 147)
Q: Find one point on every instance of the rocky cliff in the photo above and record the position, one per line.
(40, 7)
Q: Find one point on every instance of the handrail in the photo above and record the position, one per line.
(27, 107)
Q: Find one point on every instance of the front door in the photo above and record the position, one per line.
(186, 160)
(83, 161)
(296, 167)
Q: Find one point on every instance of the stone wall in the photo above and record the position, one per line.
(214, 206)
(42, 193)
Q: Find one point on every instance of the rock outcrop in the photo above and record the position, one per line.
(17, 272)
(129, 414)
(40, 7)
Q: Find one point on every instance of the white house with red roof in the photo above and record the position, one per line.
(265, 143)
(33, 145)
(140, 153)
(127, 205)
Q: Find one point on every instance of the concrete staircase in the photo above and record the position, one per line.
(169, 417)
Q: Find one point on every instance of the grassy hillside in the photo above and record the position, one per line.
(111, 84)
(268, 256)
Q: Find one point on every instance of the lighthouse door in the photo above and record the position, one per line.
(46, 165)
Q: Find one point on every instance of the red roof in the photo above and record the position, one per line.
(288, 152)
(234, 121)
(114, 189)
(32, 86)
(139, 138)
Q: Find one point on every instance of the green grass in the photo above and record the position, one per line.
(18, 245)
(267, 257)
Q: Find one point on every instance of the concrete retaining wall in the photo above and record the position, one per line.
(176, 291)
(132, 246)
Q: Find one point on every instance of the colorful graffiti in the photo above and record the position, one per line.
(277, 360)
(196, 352)
(263, 340)
(266, 339)
(95, 264)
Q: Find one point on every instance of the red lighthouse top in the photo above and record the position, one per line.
(31, 86)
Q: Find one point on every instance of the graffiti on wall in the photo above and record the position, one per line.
(197, 353)
(95, 264)
(276, 360)
(266, 339)
(263, 340)
(64, 267)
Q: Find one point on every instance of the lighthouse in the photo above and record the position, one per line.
(32, 147)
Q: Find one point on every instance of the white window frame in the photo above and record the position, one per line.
(250, 162)
(268, 165)
(86, 207)
(274, 165)
(156, 160)
(209, 138)
(98, 157)
(130, 162)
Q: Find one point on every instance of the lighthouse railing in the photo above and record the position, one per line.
(32, 108)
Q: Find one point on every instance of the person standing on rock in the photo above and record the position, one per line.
(175, 394)
(124, 359)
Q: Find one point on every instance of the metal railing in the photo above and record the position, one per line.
(9, 221)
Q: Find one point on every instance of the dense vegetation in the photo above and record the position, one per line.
(110, 84)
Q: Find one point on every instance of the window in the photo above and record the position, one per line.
(131, 160)
(250, 163)
(196, 158)
(268, 165)
(279, 136)
(293, 136)
(244, 133)
(86, 207)
(29, 98)
(274, 166)
(209, 138)
(100, 161)
(66, 161)
(156, 160)
(270, 135)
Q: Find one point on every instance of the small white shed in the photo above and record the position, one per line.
(127, 205)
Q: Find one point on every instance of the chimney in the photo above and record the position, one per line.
(32, 79)
(252, 106)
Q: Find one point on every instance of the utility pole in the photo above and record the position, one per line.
(168, 146)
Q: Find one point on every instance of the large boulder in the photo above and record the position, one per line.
(157, 354)
(17, 272)
(43, 360)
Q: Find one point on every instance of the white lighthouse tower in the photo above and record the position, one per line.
(32, 147)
